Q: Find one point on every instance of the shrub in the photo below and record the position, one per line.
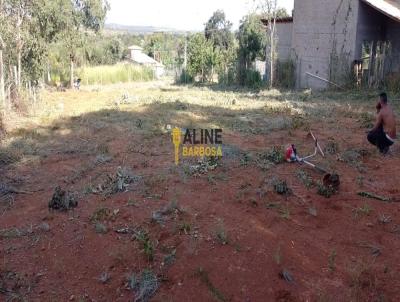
(392, 82)
(184, 78)
(227, 78)
(285, 74)
(252, 79)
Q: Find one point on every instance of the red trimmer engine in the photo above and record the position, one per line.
(329, 180)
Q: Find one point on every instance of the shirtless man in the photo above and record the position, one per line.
(385, 121)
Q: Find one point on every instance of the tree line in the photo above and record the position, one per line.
(29, 29)
(219, 52)
(45, 41)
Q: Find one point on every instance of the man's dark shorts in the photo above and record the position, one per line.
(380, 139)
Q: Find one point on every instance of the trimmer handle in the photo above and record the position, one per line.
(317, 146)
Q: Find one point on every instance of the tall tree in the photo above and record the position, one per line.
(252, 42)
(219, 30)
(200, 56)
(76, 17)
(271, 13)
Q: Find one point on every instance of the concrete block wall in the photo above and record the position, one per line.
(284, 40)
(322, 30)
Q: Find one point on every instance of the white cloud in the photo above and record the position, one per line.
(179, 14)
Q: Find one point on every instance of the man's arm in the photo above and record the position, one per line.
(378, 122)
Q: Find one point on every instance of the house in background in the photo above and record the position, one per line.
(138, 57)
(327, 40)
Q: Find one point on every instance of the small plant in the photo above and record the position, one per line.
(145, 285)
(245, 159)
(298, 121)
(131, 203)
(331, 147)
(185, 227)
(275, 155)
(119, 182)
(366, 120)
(101, 214)
(62, 200)
(325, 191)
(170, 258)
(220, 233)
(281, 187)
(305, 178)
(102, 149)
(100, 228)
(285, 212)
(203, 275)
(160, 215)
(332, 261)
(147, 245)
(364, 210)
(354, 157)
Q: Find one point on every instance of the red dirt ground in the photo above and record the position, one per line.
(330, 255)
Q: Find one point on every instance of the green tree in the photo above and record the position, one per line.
(271, 12)
(218, 31)
(200, 56)
(76, 17)
(252, 43)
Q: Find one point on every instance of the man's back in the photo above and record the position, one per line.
(389, 120)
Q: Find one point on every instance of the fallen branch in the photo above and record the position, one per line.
(374, 196)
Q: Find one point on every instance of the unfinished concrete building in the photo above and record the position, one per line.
(340, 40)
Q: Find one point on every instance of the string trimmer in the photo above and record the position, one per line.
(329, 179)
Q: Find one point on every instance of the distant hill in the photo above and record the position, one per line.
(143, 30)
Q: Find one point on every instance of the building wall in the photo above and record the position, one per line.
(323, 40)
(375, 26)
(370, 27)
(284, 40)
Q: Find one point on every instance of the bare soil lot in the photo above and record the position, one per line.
(145, 229)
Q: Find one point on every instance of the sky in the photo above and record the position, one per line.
(180, 14)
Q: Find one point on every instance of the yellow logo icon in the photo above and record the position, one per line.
(176, 140)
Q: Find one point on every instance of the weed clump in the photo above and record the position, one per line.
(145, 285)
(9, 156)
(204, 165)
(366, 120)
(331, 147)
(143, 238)
(281, 187)
(221, 234)
(203, 276)
(101, 214)
(298, 121)
(62, 200)
(119, 182)
(160, 215)
(305, 178)
(274, 155)
(326, 191)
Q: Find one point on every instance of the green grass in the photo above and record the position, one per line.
(111, 74)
